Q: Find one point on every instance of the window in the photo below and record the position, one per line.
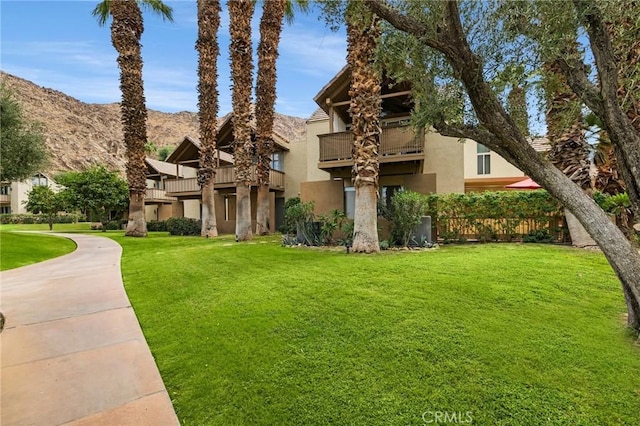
(484, 160)
(277, 162)
(39, 180)
(350, 201)
(5, 190)
(386, 193)
(5, 209)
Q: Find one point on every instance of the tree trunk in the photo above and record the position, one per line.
(240, 12)
(137, 225)
(365, 228)
(270, 30)
(209, 225)
(263, 213)
(208, 51)
(50, 223)
(362, 33)
(243, 213)
(126, 30)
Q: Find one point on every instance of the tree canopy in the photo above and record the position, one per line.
(22, 151)
(43, 199)
(454, 53)
(97, 190)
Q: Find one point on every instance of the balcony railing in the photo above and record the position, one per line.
(5, 198)
(225, 177)
(157, 195)
(396, 140)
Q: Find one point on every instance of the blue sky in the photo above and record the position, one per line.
(59, 45)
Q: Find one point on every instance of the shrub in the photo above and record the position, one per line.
(183, 226)
(405, 214)
(114, 225)
(157, 226)
(16, 219)
(539, 236)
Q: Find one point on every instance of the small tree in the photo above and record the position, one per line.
(97, 190)
(405, 214)
(42, 199)
(23, 150)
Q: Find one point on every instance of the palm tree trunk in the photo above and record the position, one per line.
(208, 51)
(565, 129)
(126, 30)
(362, 34)
(270, 30)
(240, 12)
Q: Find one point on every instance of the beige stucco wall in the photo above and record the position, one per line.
(444, 156)
(315, 128)
(327, 195)
(295, 168)
(499, 166)
(192, 209)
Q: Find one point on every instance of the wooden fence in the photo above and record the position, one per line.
(451, 229)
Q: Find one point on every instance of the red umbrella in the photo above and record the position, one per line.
(528, 183)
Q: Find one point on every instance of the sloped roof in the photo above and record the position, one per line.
(162, 167)
(318, 115)
(189, 149)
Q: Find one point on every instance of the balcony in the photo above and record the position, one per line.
(157, 195)
(5, 199)
(225, 178)
(397, 143)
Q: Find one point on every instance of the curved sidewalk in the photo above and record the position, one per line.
(72, 348)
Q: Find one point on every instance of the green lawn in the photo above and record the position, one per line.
(261, 334)
(20, 249)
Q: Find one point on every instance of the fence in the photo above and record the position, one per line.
(551, 228)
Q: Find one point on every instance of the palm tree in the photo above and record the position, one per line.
(126, 31)
(565, 130)
(273, 13)
(240, 13)
(208, 51)
(362, 33)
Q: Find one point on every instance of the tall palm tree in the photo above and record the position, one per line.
(270, 29)
(565, 130)
(240, 13)
(208, 51)
(126, 31)
(273, 14)
(363, 31)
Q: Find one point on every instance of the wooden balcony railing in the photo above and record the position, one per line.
(225, 176)
(175, 186)
(157, 194)
(396, 140)
(5, 198)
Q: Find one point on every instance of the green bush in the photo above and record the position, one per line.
(17, 219)
(405, 214)
(491, 216)
(157, 226)
(183, 226)
(114, 225)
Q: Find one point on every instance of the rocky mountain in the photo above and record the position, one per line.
(80, 135)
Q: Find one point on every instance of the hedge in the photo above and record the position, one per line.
(493, 216)
(183, 226)
(18, 219)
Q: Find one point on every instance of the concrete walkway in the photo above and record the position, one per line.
(72, 349)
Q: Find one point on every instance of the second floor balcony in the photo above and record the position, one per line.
(397, 143)
(225, 178)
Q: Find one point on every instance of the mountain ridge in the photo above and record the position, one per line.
(79, 135)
